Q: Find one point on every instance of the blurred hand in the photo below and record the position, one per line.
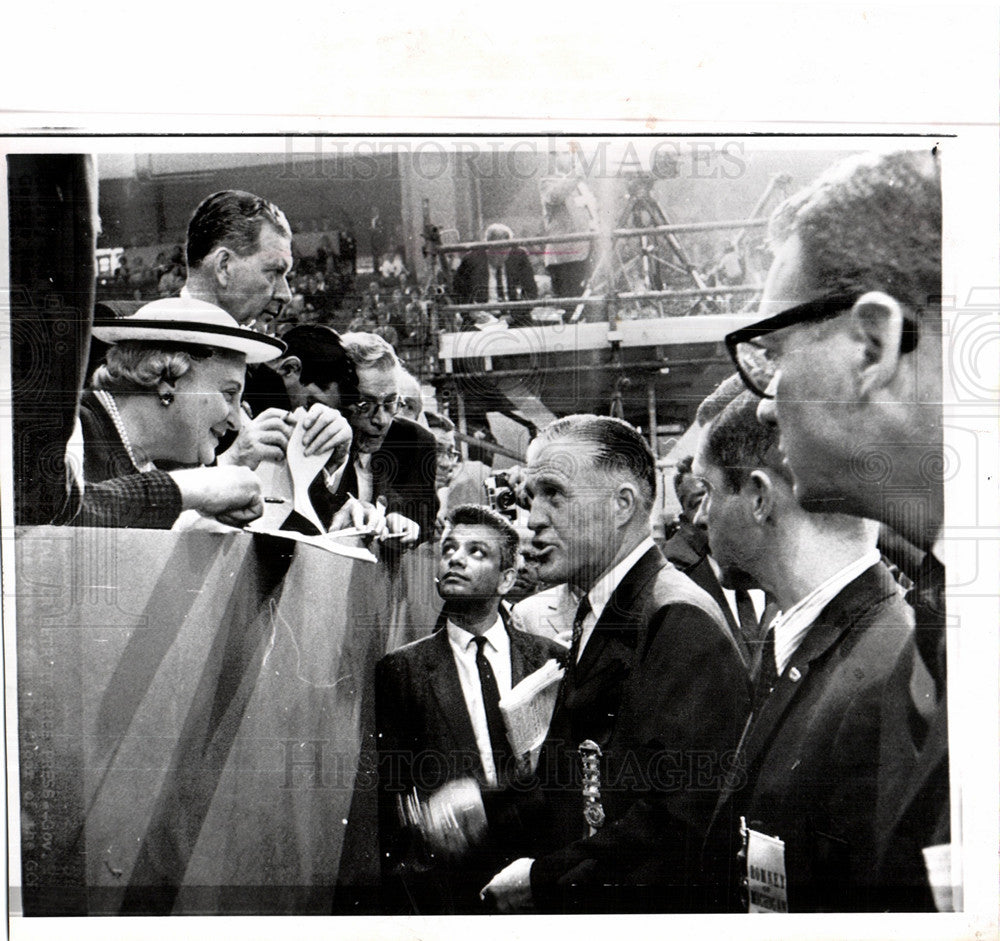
(454, 819)
(401, 528)
(360, 515)
(264, 438)
(230, 494)
(518, 477)
(325, 429)
(510, 889)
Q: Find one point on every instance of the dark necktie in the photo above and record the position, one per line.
(767, 675)
(574, 648)
(491, 701)
(747, 614)
(928, 602)
(500, 293)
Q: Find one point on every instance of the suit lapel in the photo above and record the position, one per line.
(525, 656)
(614, 634)
(834, 621)
(926, 763)
(442, 677)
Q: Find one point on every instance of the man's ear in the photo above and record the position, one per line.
(626, 503)
(220, 260)
(289, 367)
(877, 323)
(507, 579)
(759, 489)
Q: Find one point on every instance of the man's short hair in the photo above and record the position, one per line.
(871, 223)
(738, 444)
(409, 391)
(324, 359)
(617, 448)
(233, 218)
(368, 351)
(441, 422)
(681, 473)
(724, 393)
(497, 231)
(469, 514)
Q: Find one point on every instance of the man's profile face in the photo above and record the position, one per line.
(815, 406)
(723, 515)
(571, 511)
(378, 398)
(259, 282)
(446, 454)
(691, 493)
(470, 566)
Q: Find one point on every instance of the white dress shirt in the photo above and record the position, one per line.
(497, 652)
(491, 283)
(757, 596)
(363, 470)
(604, 587)
(791, 626)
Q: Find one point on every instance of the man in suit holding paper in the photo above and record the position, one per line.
(437, 709)
(655, 693)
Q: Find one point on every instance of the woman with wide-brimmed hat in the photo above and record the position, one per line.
(168, 391)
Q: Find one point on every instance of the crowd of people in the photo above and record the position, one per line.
(752, 717)
(703, 754)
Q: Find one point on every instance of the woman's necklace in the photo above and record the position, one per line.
(111, 407)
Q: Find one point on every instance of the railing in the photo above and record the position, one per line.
(195, 719)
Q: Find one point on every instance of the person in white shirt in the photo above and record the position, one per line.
(808, 762)
(655, 694)
(437, 708)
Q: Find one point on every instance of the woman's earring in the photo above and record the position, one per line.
(166, 399)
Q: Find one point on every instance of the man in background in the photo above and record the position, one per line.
(496, 274)
(393, 461)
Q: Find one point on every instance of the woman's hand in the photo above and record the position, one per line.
(230, 494)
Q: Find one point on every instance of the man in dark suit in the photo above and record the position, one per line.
(655, 694)
(808, 762)
(495, 275)
(437, 712)
(687, 550)
(393, 462)
(848, 365)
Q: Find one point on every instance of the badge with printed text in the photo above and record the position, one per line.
(767, 891)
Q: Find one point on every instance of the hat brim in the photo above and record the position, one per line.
(256, 347)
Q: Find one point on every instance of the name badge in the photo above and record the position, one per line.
(767, 891)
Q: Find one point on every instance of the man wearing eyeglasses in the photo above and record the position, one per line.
(847, 363)
(393, 460)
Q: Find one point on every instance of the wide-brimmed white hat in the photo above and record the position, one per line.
(186, 320)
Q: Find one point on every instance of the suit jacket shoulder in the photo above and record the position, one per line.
(660, 687)
(404, 471)
(810, 758)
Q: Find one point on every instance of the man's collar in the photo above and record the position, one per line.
(496, 636)
(605, 586)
